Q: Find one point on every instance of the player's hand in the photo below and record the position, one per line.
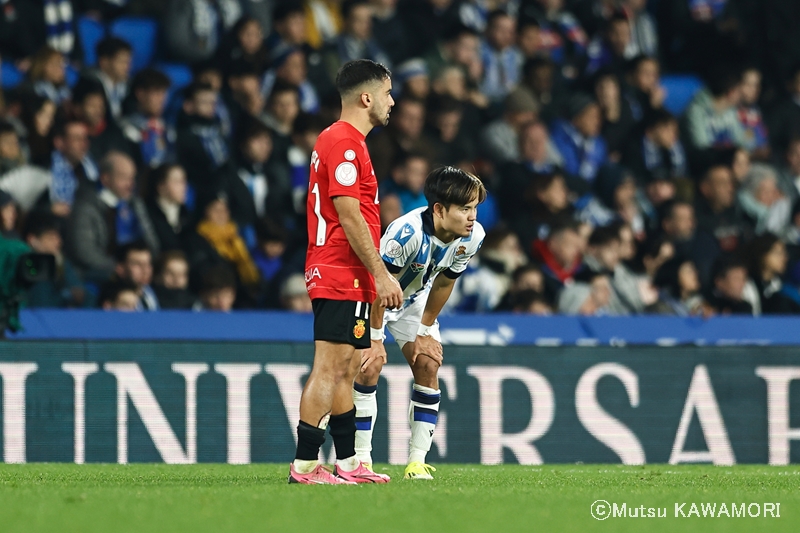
(429, 347)
(376, 352)
(389, 291)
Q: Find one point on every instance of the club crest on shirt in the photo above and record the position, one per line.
(417, 267)
(393, 249)
(461, 250)
(359, 329)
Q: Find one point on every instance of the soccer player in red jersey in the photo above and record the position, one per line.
(344, 274)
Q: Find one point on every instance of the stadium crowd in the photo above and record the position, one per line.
(155, 192)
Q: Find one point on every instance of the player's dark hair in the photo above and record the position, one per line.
(604, 236)
(452, 186)
(354, 74)
(109, 47)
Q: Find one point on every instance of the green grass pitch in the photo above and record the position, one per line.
(462, 498)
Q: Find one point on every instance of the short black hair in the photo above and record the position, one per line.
(306, 122)
(724, 264)
(452, 186)
(64, 122)
(111, 290)
(160, 174)
(456, 31)
(496, 14)
(251, 129)
(632, 65)
(564, 226)
(85, 88)
(758, 249)
(40, 222)
(111, 46)
(543, 181)
(356, 73)
(604, 235)
(122, 252)
(150, 79)
(536, 63)
(286, 9)
(723, 79)
(279, 87)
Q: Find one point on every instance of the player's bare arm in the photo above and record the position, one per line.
(377, 350)
(355, 228)
(425, 344)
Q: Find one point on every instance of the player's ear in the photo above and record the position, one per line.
(365, 99)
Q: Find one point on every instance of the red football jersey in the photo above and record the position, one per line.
(340, 166)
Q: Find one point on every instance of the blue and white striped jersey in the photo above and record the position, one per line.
(416, 256)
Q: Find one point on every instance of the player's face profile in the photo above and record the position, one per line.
(460, 219)
(381, 104)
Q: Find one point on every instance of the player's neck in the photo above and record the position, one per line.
(358, 120)
(440, 233)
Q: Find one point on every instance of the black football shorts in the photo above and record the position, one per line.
(342, 321)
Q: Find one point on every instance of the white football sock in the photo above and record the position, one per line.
(422, 414)
(366, 402)
(304, 467)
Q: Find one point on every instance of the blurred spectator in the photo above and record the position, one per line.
(560, 255)
(790, 172)
(355, 41)
(272, 242)
(23, 182)
(755, 131)
(146, 125)
(9, 217)
(202, 148)
(679, 290)
(119, 295)
(194, 28)
(167, 206)
(218, 290)
(47, 75)
(618, 122)
(679, 227)
(114, 59)
(283, 106)
(531, 303)
(324, 20)
(305, 131)
(403, 136)
(766, 207)
(102, 221)
(89, 104)
(71, 166)
(529, 39)
(135, 264)
(411, 79)
(500, 57)
(428, 21)
(172, 281)
(610, 50)
(768, 260)
(644, 38)
(500, 138)
(784, 119)
(616, 199)
(728, 293)
(524, 279)
(25, 26)
(658, 154)
(539, 79)
(388, 29)
(602, 258)
(222, 235)
(290, 67)
(716, 209)
(38, 117)
(485, 283)
(43, 235)
(563, 39)
(578, 140)
(289, 26)
(257, 190)
(245, 42)
(408, 181)
(711, 118)
(452, 143)
(294, 295)
(460, 47)
(644, 91)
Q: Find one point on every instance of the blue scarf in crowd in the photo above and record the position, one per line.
(58, 22)
(127, 224)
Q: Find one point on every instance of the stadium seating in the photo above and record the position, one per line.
(680, 89)
(10, 76)
(90, 32)
(179, 74)
(142, 35)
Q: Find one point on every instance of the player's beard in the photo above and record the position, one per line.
(379, 119)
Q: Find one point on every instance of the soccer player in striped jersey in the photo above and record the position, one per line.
(426, 250)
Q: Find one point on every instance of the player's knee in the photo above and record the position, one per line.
(372, 373)
(425, 366)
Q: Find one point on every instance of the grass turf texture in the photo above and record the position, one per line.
(462, 498)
